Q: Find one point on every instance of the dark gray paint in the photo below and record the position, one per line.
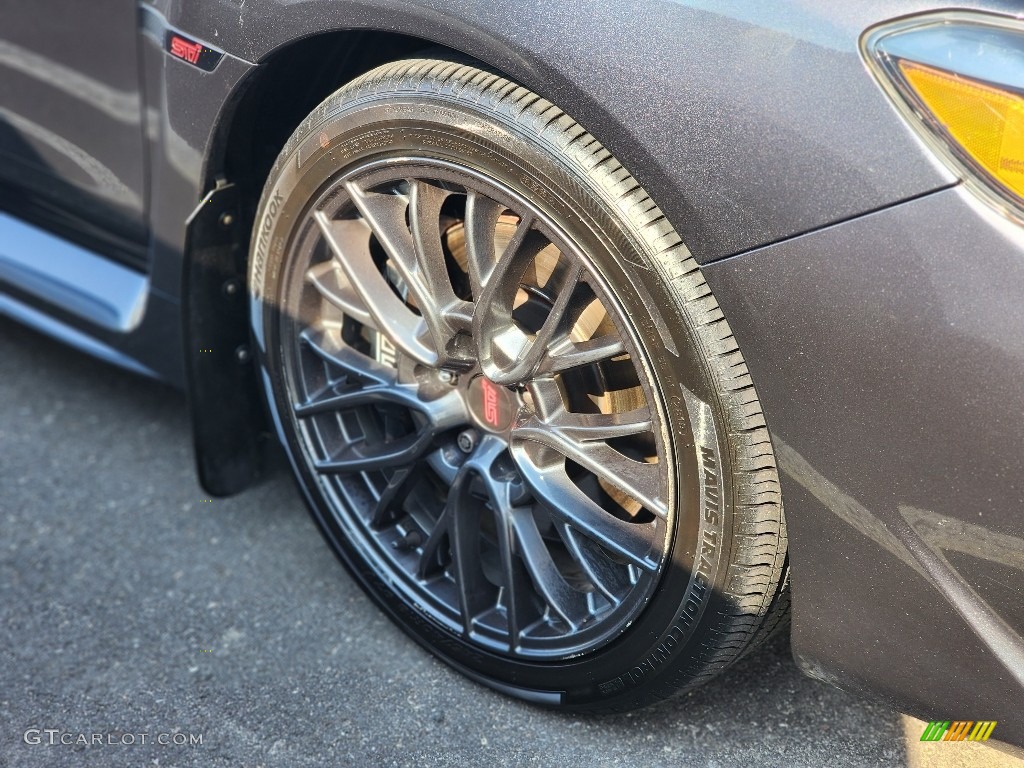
(746, 126)
(71, 109)
(186, 105)
(889, 359)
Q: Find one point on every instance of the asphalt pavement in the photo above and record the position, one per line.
(137, 617)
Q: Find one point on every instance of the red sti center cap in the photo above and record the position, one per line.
(493, 407)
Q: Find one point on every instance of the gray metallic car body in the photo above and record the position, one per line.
(877, 303)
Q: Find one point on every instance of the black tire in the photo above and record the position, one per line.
(720, 588)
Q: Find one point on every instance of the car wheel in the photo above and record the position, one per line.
(510, 399)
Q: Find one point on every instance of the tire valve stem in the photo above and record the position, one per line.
(411, 540)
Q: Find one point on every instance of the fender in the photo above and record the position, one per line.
(695, 136)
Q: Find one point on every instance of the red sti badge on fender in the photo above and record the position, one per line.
(186, 49)
(191, 51)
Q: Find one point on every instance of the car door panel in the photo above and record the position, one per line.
(71, 141)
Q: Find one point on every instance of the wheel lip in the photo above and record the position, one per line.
(412, 597)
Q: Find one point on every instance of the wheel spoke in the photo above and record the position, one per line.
(385, 214)
(362, 457)
(482, 215)
(516, 579)
(406, 395)
(568, 354)
(415, 252)
(449, 314)
(608, 577)
(500, 342)
(399, 485)
(519, 540)
(518, 585)
(443, 412)
(432, 553)
(349, 240)
(475, 592)
(544, 471)
(582, 438)
(327, 345)
(529, 353)
(507, 354)
(381, 389)
(330, 281)
(568, 603)
(459, 526)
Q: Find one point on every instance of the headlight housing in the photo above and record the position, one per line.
(958, 78)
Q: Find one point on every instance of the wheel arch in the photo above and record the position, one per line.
(248, 136)
(228, 417)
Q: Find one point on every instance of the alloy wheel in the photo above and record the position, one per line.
(476, 408)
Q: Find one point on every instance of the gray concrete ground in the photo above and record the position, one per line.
(131, 606)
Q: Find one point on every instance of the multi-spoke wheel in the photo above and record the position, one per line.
(464, 389)
(509, 396)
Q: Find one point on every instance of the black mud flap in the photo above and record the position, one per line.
(228, 422)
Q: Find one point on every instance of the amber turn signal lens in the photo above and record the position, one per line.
(986, 122)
